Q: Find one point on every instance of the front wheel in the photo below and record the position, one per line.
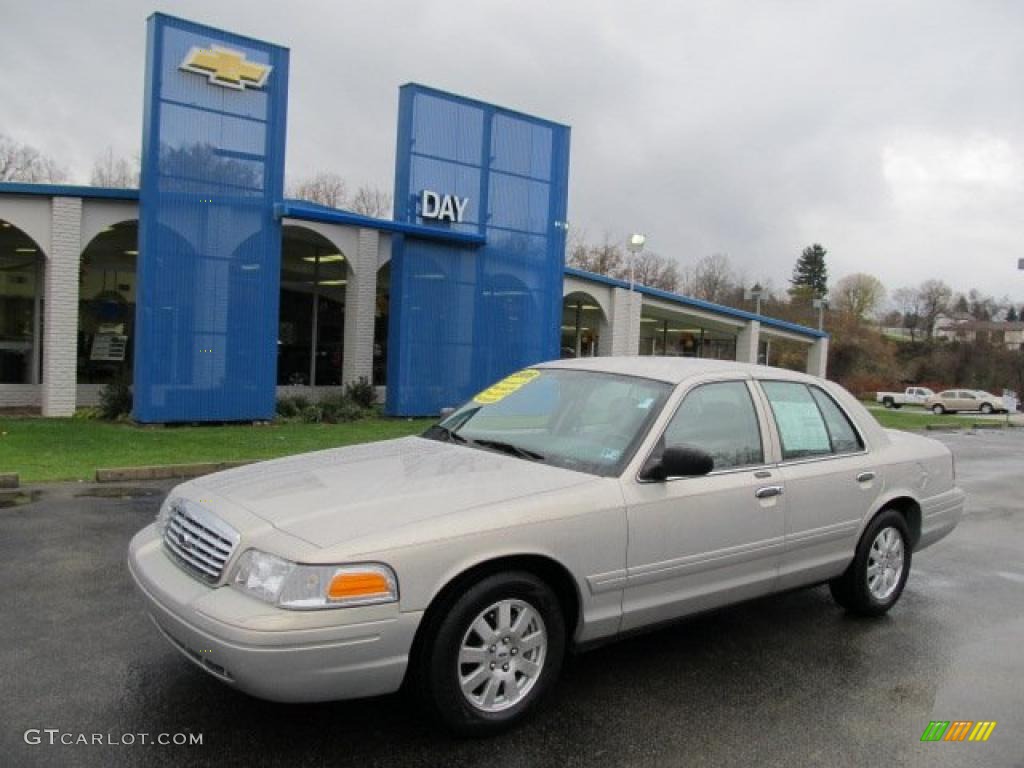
(874, 581)
(495, 654)
(938, 410)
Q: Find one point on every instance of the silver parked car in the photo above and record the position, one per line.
(570, 503)
(953, 400)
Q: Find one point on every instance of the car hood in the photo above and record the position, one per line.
(344, 494)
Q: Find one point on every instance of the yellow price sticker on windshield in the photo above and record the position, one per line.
(498, 392)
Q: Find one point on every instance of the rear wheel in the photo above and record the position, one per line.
(938, 410)
(888, 402)
(495, 654)
(874, 581)
(986, 408)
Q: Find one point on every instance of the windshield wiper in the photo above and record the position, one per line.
(509, 448)
(437, 432)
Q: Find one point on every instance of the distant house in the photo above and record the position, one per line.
(1008, 334)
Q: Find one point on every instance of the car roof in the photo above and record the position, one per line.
(672, 369)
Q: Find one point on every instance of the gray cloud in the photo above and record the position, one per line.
(890, 132)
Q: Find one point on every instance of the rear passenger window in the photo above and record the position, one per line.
(798, 418)
(809, 421)
(844, 437)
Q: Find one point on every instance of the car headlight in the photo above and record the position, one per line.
(309, 587)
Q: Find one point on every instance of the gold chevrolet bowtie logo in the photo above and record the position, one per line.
(226, 67)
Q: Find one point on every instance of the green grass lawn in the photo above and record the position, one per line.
(917, 419)
(73, 449)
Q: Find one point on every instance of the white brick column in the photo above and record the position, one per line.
(817, 357)
(360, 308)
(60, 324)
(624, 335)
(748, 341)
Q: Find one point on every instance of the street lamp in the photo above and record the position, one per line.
(754, 293)
(634, 246)
(821, 305)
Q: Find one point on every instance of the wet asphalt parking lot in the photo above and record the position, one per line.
(786, 680)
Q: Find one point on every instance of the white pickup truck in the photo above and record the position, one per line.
(909, 396)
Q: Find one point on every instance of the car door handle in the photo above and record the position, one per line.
(864, 477)
(768, 491)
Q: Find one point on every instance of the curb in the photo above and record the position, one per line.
(165, 471)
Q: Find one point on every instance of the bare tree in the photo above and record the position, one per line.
(371, 201)
(603, 259)
(935, 297)
(858, 295)
(324, 188)
(22, 162)
(980, 306)
(710, 279)
(110, 171)
(908, 302)
(653, 270)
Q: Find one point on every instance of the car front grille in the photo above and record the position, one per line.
(198, 540)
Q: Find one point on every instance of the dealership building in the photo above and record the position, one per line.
(212, 293)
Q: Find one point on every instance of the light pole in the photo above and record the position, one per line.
(754, 293)
(634, 246)
(821, 305)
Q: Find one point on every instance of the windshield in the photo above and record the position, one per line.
(582, 420)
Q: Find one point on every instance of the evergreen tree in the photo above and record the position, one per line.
(810, 275)
(1011, 314)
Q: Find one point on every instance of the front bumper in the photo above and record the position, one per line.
(275, 654)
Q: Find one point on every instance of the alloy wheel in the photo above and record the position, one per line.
(502, 655)
(885, 564)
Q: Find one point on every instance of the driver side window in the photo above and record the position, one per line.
(720, 419)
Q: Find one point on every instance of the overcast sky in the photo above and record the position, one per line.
(890, 132)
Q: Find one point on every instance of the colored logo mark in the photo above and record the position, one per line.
(958, 730)
(223, 66)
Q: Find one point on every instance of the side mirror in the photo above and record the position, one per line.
(681, 461)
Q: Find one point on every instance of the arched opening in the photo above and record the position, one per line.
(311, 329)
(21, 307)
(106, 305)
(380, 326)
(583, 324)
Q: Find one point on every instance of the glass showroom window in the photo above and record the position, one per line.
(106, 305)
(21, 310)
(311, 330)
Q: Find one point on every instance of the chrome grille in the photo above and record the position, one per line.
(198, 541)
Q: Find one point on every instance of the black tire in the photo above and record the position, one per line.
(897, 406)
(852, 590)
(938, 409)
(986, 408)
(888, 402)
(439, 668)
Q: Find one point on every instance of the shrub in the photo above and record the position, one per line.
(342, 408)
(286, 408)
(312, 414)
(115, 400)
(292, 407)
(361, 392)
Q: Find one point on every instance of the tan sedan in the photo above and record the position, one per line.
(570, 503)
(953, 400)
